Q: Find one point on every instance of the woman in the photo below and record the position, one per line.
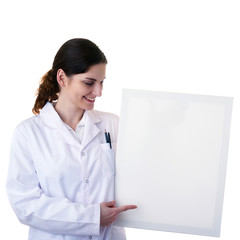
(61, 173)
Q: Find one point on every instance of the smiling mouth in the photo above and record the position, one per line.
(90, 99)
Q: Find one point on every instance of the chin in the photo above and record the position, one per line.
(88, 108)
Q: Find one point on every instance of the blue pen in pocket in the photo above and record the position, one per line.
(108, 138)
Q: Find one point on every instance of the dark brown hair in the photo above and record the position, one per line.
(75, 56)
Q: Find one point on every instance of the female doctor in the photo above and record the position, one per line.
(61, 171)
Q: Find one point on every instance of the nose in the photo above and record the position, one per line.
(97, 91)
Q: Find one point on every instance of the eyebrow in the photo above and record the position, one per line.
(93, 79)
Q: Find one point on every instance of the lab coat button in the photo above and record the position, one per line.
(87, 181)
(90, 237)
(83, 154)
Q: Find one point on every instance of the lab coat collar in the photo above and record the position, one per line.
(52, 119)
(91, 130)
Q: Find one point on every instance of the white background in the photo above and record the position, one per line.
(176, 46)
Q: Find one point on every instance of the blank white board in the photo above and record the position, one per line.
(171, 161)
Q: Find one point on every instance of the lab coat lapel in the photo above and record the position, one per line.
(64, 135)
(91, 130)
(52, 120)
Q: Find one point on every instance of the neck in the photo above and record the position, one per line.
(69, 113)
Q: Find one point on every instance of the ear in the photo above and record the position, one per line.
(61, 78)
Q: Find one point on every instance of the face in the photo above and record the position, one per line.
(81, 90)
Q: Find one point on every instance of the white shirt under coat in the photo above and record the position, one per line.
(56, 183)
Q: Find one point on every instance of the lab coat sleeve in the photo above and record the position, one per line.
(34, 208)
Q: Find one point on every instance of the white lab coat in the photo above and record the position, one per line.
(55, 184)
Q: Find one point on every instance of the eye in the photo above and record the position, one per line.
(102, 82)
(89, 83)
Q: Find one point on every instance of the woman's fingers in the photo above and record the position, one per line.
(125, 208)
(109, 212)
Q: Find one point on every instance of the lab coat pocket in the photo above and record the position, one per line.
(108, 158)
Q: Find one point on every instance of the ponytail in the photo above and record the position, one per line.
(48, 91)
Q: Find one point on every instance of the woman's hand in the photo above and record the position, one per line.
(109, 212)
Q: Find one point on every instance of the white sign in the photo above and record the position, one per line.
(171, 161)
